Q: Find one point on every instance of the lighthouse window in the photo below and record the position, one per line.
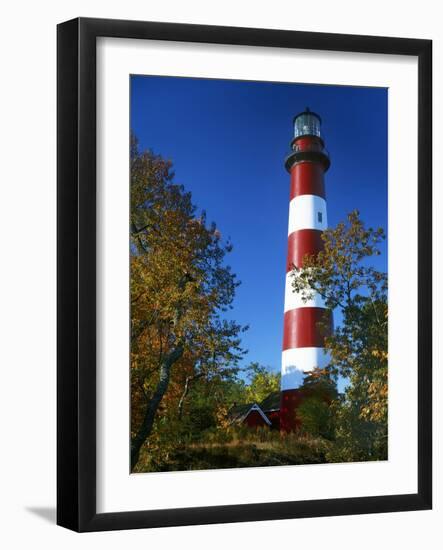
(306, 124)
(320, 217)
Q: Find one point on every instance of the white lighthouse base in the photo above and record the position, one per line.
(298, 361)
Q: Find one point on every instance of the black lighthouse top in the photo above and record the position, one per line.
(307, 123)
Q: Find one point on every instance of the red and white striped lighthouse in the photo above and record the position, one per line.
(303, 338)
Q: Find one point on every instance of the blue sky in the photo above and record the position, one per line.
(228, 140)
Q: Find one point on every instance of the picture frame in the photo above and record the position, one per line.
(77, 274)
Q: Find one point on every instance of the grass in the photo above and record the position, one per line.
(236, 448)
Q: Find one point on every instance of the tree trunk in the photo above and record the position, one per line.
(152, 407)
(189, 379)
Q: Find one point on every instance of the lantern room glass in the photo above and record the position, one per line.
(307, 124)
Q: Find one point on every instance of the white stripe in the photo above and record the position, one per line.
(294, 299)
(297, 361)
(307, 212)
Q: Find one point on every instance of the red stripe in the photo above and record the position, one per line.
(289, 403)
(308, 143)
(302, 328)
(301, 243)
(307, 178)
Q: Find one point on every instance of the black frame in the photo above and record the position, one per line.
(76, 265)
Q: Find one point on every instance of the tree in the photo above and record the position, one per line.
(180, 289)
(262, 382)
(316, 417)
(342, 275)
(319, 390)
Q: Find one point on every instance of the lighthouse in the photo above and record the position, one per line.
(304, 321)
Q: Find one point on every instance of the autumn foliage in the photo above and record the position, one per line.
(358, 348)
(179, 289)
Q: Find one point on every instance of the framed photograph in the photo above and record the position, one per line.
(244, 274)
